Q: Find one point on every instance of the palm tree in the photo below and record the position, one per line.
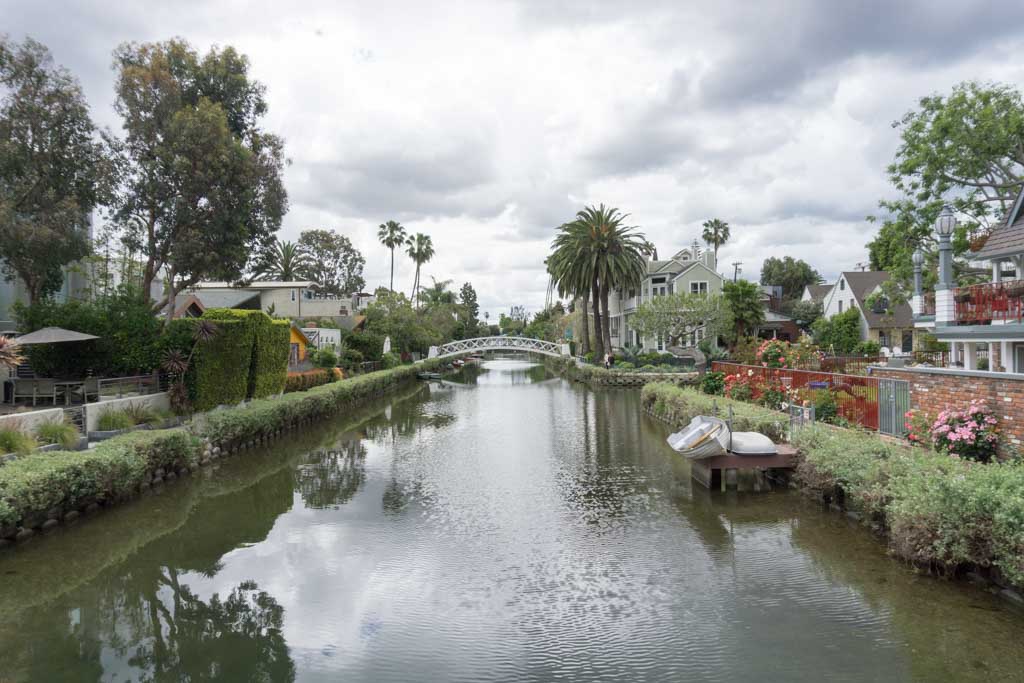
(438, 293)
(595, 254)
(420, 249)
(569, 271)
(716, 233)
(391, 235)
(10, 353)
(285, 262)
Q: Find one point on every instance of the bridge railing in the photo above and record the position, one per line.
(499, 343)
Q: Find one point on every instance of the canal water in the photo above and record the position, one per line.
(509, 526)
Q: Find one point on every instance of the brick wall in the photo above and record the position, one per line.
(933, 389)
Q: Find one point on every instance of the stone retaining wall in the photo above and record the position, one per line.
(934, 389)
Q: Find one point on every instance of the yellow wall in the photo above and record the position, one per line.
(300, 339)
(896, 337)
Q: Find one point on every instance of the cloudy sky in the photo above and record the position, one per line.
(487, 124)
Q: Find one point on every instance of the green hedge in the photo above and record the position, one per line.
(679, 405)
(267, 360)
(595, 374)
(939, 511)
(33, 486)
(263, 417)
(301, 381)
(221, 366)
(271, 358)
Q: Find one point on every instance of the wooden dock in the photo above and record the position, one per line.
(713, 472)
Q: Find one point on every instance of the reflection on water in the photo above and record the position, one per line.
(502, 525)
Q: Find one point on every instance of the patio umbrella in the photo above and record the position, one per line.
(53, 335)
(387, 345)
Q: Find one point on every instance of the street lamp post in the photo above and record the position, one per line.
(944, 226)
(918, 301)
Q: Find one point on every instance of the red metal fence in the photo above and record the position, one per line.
(855, 397)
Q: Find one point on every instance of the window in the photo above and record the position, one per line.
(842, 284)
(852, 305)
(657, 280)
(883, 338)
(840, 305)
(661, 343)
(293, 295)
(907, 344)
(632, 293)
(698, 287)
(613, 328)
(671, 288)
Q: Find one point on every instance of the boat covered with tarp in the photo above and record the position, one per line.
(707, 437)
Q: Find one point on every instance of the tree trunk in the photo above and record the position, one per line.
(595, 296)
(392, 286)
(607, 318)
(585, 323)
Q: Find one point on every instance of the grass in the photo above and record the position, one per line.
(58, 432)
(16, 441)
(115, 420)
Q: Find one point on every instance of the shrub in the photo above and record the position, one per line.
(969, 433)
(263, 417)
(325, 358)
(58, 432)
(351, 358)
(114, 470)
(940, 512)
(390, 360)
(867, 348)
(14, 440)
(114, 420)
(713, 383)
(679, 405)
(624, 365)
(739, 386)
(745, 351)
(370, 344)
(775, 353)
(588, 357)
(301, 381)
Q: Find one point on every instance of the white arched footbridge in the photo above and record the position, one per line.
(462, 346)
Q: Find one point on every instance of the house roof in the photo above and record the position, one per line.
(263, 284)
(862, 284)
(1008, 237)
(229, 298)
(818, 292)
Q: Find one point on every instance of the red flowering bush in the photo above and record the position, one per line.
(741, 386)
(919, 426)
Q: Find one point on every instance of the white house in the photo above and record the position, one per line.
(692, 269)
(295, 300)
(891, 325)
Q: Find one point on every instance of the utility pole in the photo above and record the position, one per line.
(736, 270)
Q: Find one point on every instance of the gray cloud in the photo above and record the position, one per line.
(489, 125)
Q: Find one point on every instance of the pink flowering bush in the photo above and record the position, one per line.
(775, 353)
(970, 434)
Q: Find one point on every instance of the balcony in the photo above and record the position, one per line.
(994, 302)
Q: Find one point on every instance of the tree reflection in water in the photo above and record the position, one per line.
(329, 478)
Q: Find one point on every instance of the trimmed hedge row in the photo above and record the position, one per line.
(938, 511)
(49, 485)
(301, 381)
(45, 488)
(266, 417)
(594, 374)
(679, 405)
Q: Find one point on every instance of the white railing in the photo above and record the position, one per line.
(497, 344)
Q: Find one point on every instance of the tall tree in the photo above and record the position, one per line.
(202, 190)
(965, 149)
(284, 262)
(333, 262)
(598, 247)
(571, 278)
(438, 293)
(53, 164)
(470, 307)
(716, 233)
(790, 274)
(743, 302)
(391, 235)
(420, 249)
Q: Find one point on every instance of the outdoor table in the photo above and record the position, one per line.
(68, 386)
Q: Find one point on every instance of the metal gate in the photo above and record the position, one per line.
(893, 403)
